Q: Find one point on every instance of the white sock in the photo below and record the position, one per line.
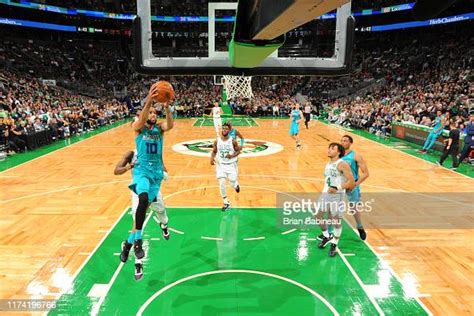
(326, 233)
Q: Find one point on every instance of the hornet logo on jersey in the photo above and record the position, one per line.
(152, 137)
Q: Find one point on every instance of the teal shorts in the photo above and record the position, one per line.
(147, 179)
(294, 129)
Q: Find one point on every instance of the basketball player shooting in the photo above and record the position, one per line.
(148, 172)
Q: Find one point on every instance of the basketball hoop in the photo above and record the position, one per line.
(238, 86)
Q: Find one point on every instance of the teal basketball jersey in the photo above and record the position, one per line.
(150, 145)
(233, 134)
(295, 115)
(438, 121)
(350, 159)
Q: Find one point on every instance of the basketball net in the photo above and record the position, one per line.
(238, 86)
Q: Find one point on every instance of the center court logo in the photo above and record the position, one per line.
(203, 148)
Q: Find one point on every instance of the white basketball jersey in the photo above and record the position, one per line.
(216, 112)
(333, 177)
(225, 148)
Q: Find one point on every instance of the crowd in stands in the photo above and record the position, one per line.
(195, 93)
(95, 68)
(198, 94)
(420, 79)
(272, 97)
(29, 107)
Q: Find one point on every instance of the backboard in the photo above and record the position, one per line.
(216, 62)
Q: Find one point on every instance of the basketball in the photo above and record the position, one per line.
(165, 91)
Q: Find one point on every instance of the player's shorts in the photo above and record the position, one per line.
(147, 179)
(217, 121)
(354, 195)
(158, 199)
(334, 203)
(228, 170)
(294, 129)
(307, 117)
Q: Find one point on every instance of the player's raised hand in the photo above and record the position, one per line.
(153, 92)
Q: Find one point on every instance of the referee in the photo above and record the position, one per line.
(451, 146)
(307, 114)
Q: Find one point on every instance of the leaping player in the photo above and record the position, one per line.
(216, 116)
(296, 117)
(148, 171)
(227, 151)
(127, 162)
(338, 178)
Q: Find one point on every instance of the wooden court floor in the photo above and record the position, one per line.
(54, 210)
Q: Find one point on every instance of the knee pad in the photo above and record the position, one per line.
(141, 210)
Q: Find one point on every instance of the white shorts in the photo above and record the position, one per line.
(217, 121)
(159, 200)
(334, 203)
(228, 170)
